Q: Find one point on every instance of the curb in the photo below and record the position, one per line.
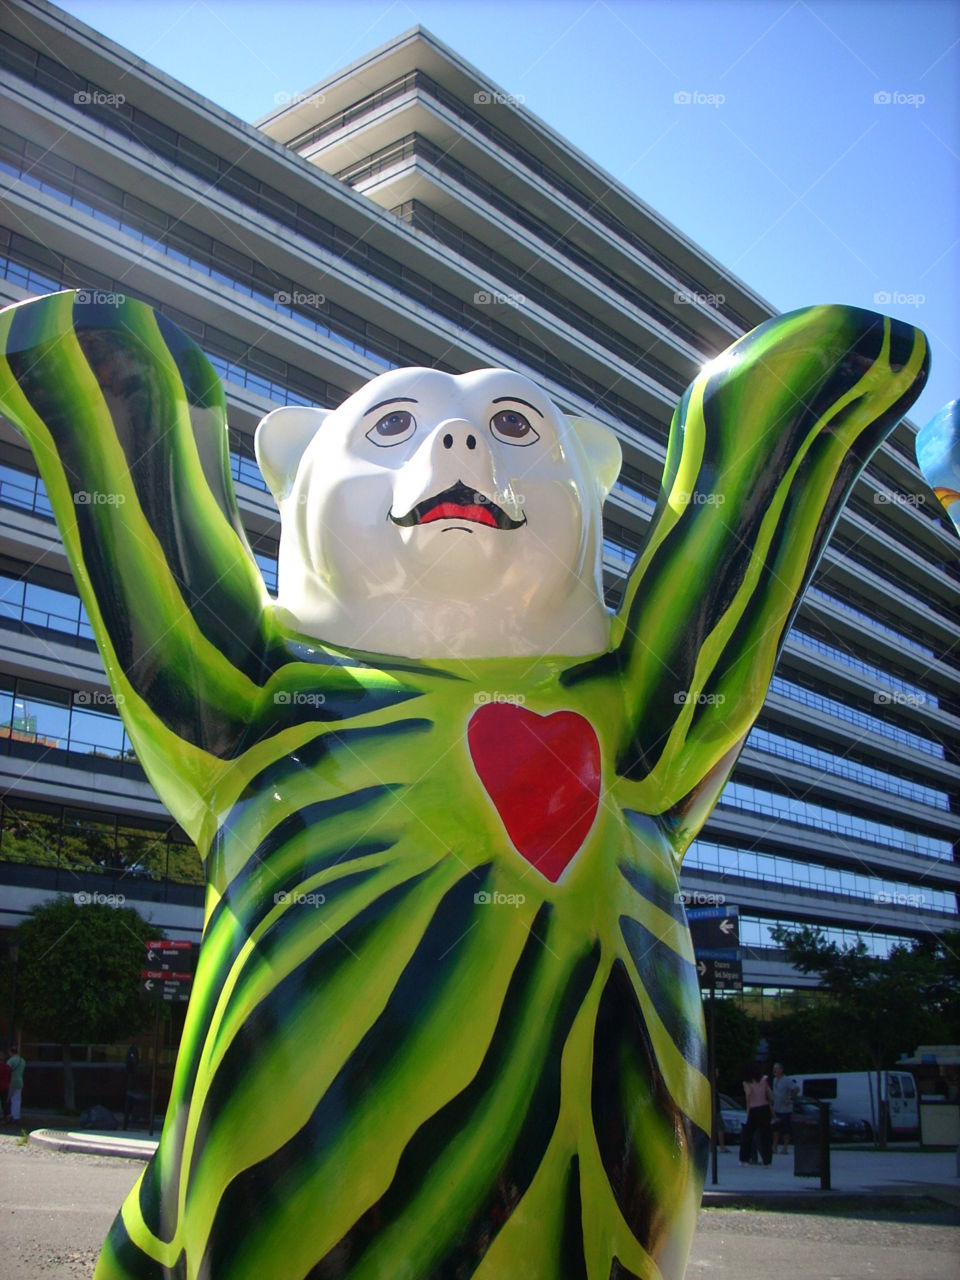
(807, 1199)
(97, 1144)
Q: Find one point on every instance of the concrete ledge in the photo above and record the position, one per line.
(93, 1142)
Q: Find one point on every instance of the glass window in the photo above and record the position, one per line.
(29, 833)
(88, 843)
(142, 849)
(98, 733)
(183, 863)
(41, 714)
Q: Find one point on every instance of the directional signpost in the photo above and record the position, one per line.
(167, 978)
(715, 932)
(168, 972)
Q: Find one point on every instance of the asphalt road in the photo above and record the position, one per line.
(56, 1208)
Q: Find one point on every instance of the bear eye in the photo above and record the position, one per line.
(513, 428)
(392, 428)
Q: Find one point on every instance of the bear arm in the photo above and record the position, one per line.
(764, 448)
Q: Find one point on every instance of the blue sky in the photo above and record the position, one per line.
(799, 180)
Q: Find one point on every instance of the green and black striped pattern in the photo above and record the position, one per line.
(408, 1055)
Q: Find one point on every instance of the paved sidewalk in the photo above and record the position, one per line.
(903, 1170)
(900, 1171)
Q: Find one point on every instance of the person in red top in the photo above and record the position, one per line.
(4, 1083)
(759, 1099)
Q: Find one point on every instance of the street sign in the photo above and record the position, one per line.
(170, 956)
(156, 984)
(724, 975)
(168, 976)
(714, 929)
(715, 932)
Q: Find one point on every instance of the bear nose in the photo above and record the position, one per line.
(448, 440)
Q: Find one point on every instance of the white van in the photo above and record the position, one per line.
(854, 1093)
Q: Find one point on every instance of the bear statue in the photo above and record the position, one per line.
(446, 1021)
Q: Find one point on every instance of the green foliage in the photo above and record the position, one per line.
(815, 1037)
(737, 1036)
(880, 1007)
(79, 971)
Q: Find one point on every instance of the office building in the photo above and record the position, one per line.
(406, 211)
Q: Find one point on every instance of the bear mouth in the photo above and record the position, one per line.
(458, 503)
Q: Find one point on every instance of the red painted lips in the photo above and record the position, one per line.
(543, 775)
(451, 511)
(458, 503)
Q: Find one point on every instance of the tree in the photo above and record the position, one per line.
(79, 975)
(814, 1037)
(738, 1034)
(890, 1003)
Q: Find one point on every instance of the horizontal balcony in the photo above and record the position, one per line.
(842, 576)
(632, 236)
(740, 828)
(176, 910)
(773, 772)
(777, 900)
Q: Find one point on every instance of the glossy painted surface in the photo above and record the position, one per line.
(446, 1020)
(938, 457)
(461, 513)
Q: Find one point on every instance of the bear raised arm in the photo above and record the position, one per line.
(446, 1021)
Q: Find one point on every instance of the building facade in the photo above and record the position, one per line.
(407, 212)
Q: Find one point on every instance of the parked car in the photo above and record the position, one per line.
(843, 1127)
(733, 1114)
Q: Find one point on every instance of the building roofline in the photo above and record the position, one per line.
(340, 90)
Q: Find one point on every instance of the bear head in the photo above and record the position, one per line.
(434, 515)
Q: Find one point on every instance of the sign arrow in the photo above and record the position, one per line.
(702, 968)
(727, 926)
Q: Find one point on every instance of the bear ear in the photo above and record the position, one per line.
(603, 451)
(281, 439)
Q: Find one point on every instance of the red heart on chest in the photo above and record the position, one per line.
(543, 775)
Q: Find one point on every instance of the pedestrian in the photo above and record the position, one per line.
(784, 1091)
(4, 1084)
(759, 1102)
(17, 1067)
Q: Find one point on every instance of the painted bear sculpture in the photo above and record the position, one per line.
(445, 1021)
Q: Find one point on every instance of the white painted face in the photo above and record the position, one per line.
(440, 516)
